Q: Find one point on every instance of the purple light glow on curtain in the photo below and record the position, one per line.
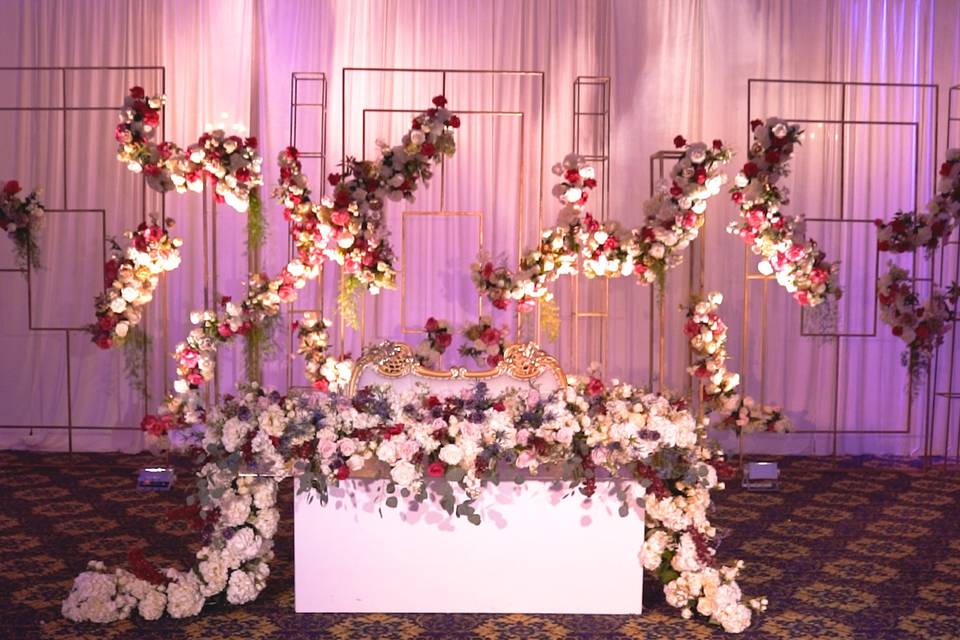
(675, 67)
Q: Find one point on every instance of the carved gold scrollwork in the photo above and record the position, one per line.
(522, 362)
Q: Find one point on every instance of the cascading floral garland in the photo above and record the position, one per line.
(230, 163)
(674, 216)
(342, 228)
(486, 344)
(778, 238)
(323, 371)
(130, 277)
(708, 343)
(439, 448)
(22, 218)
(348, 226)
(921, 324)
(430, 350)
(910, 230)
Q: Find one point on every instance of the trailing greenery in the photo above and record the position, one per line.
(136, 346)
(256, 223)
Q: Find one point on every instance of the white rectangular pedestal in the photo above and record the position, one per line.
(534, 552)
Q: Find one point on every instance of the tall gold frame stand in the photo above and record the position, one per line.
(67, 74)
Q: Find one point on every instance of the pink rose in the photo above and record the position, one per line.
(327, 449)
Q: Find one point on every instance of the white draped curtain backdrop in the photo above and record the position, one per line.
(674, 67)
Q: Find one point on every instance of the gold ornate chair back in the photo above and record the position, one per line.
(525, 363)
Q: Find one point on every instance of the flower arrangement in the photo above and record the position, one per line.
(22, 218)
(798, 263)
(921, 325)
(673, 219)
(485, 343)
(909, 230)
(708, 344)
(348, 226)
(440, 448)
(231, 163)
(319, 232)
(429, 352)
(130, 278)
(324, 372)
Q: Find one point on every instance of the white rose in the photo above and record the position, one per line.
(403, 473)
(451, 454)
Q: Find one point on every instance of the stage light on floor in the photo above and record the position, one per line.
(761, 476)
(156, 479)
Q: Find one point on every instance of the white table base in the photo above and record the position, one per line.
(534, 552)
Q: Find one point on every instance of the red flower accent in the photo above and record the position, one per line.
(718, 144)
(594, 387)
(343, 472)
(321, 385)
(454, 122)
(440, 101)
(755, 123)
(333, 179)
(436, 470)
(11, 187)
(137, 92)
(679, 142)
(428, 149)
(750, 170)
(431, 325)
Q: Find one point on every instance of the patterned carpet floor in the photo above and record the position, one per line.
(857, 548)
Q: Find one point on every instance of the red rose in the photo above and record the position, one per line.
(439, 101)
(11, 187)
(750, 170)
(321, 384)
(737, 197)
(572, 175)
(105, 323)
(493, 361)
(454, 122)
(251, 142)
(104, 341)
(501, 303)
(589, 183)
(444, 340)
(676, 191)
(428, 149)
(923, 331)
(499, 406)
(772, 157)
(151, 118)
(137, 92)
(594, 387)
(679, 141)
(343, 472)
(755, 123)
(487, 270)
(436, 470)
(490, 336)
(394, 430)
(945, 169)
(718, 144)
(898, 331)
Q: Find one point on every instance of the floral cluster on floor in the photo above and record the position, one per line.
(442, 448)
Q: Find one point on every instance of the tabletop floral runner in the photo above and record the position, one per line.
(708, 342)
(22, 217)
(348, 228)
(920, 324)
(438, 448)
(798, 263)
(603, 249)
